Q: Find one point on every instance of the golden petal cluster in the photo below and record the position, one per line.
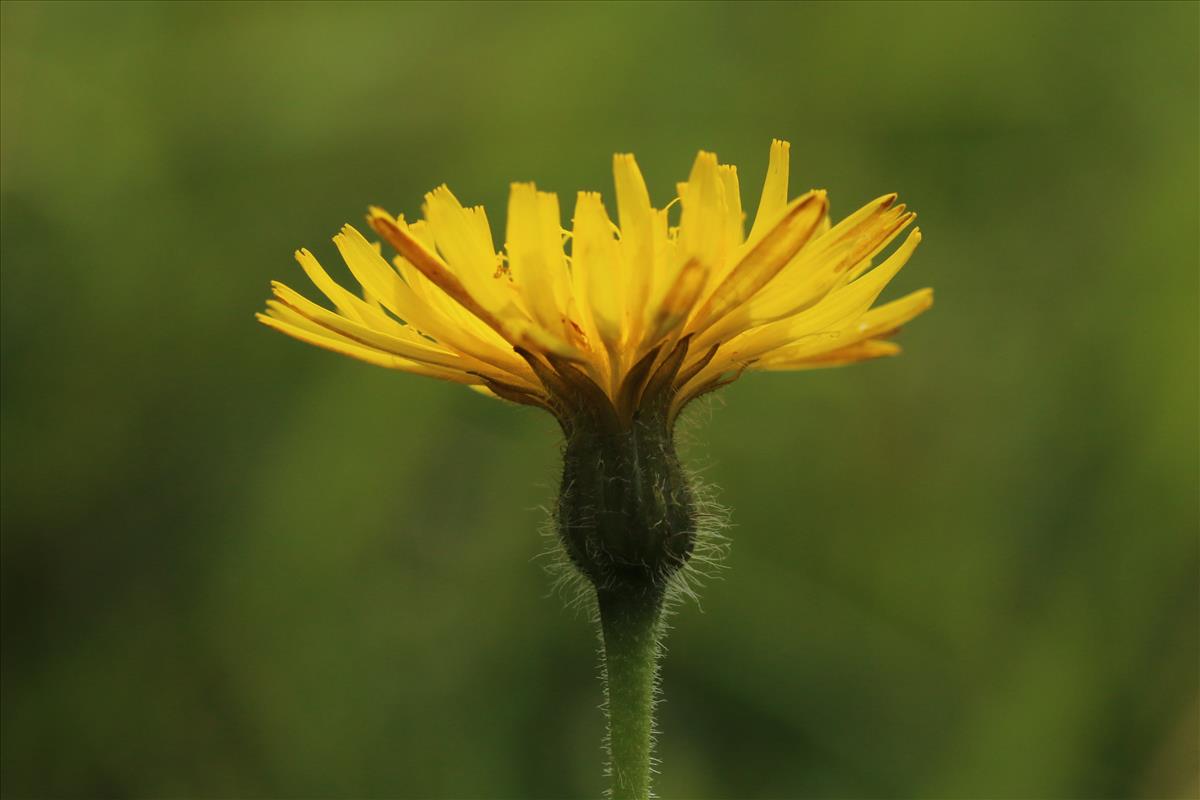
(614, 314)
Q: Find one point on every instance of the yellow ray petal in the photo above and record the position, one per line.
(774, 192)
(424, 351)
(823, 264)
(362, 353)
(404, 342)
(597, 263)
(677, 303)
(763, 261)
(508, 321)
(877, 323)
(536, 258)
(702, 230)
(464, 238)
(433, 268)
(398, 296)
(281, 312)
(884, 319)
(850, 354)
(455, 236)
(637, 220)
(343, 300)
(857, 297)
(734, 217)
(464, 241)
(832, 315)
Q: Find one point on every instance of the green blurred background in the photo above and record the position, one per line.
(234, 565)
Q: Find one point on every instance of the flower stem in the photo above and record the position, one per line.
(630, 623)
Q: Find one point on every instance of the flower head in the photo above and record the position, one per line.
(611, 321)
(614, 328)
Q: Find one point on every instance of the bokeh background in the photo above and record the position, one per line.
(234, 565)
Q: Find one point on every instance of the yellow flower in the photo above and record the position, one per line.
(612, 318)
(614, 328)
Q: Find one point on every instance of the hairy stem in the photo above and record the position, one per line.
(630, 623)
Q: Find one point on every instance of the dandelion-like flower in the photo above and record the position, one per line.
(616, 316)
(614, 328)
